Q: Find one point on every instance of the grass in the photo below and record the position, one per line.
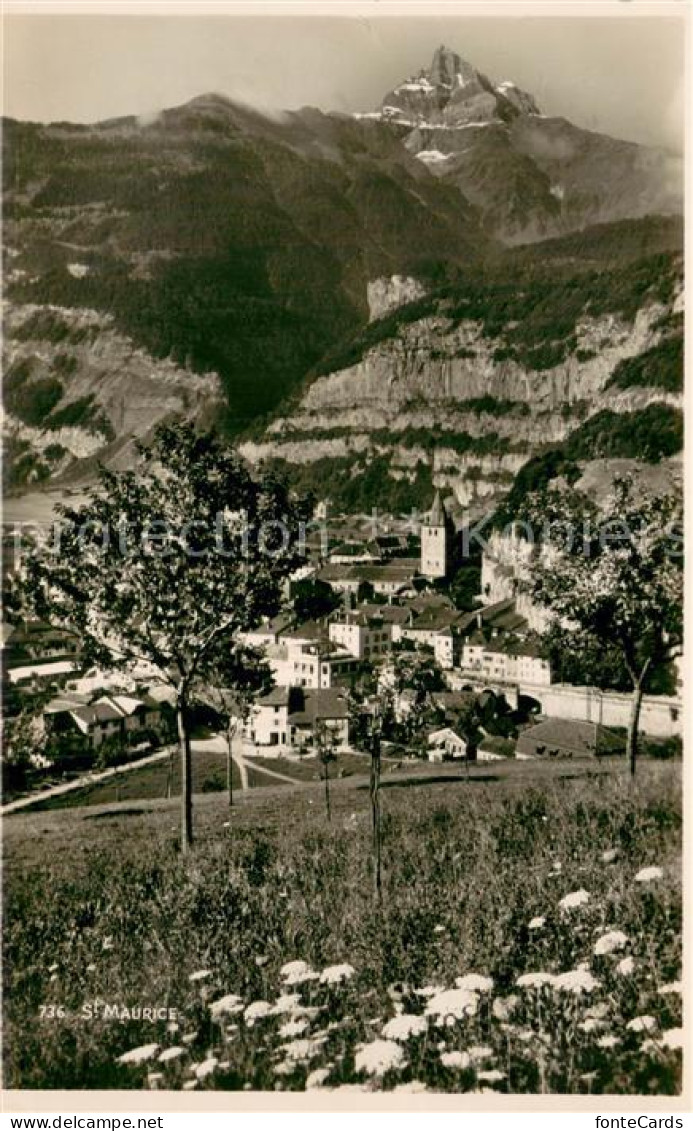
(100, 905)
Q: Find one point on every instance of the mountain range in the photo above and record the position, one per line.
(264, 272)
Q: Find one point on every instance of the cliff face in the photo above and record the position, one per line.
(77, 390)
(442, 393)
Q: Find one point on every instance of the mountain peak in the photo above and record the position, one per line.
(451, 94)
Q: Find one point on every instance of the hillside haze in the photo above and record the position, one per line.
(236, 268)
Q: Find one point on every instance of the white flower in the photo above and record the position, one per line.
(261, 960)
(297, 972)
(293, 1028)
(189, 1085)
(504, 1006)
(107, 943)
(404, 1026)
(625, 966)
(172, 1054)
(316, 1078)
(646, 875)
(611, 941)
(574, 899)
(479, 1053)
(610, 855)
(477, 982)
(608, 1042)
(438, 929)
(189, 1038)
(491, 1076)
(455, 1059)
(576, 981)
(453, 1004)
(643, 1024)
(591, 1023)
(139, 1055)
(206, 1068)
(537, 922)
(304, 1048)
(256, 1010)
(232, 1003)
(200, 975)
(287, 1003)
(379, 1057)
(429, 991)
(334, 975)
(671, 988)
(673, 1038)
(535, 980)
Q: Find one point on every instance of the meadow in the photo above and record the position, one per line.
(528, 938)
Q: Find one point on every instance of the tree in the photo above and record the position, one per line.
(615, 578)
(239, 673)
(325, 743)
(166, 563)
(313, 599)
(23, 746)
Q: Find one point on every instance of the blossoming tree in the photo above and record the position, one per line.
(613, 577)
(167, 563)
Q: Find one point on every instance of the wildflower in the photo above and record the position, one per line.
(576, 981)
(455, 1059)
(91, 967)
(673, 1038)
(189, 1085)
(334, 975)
(139, 1055)
(54, 967)
(438, 929)
(642, 1024)
(379, 1057)
(189, 1038)
(304, 1048)
(232, 1003)
(453, 1004)
(477, 982)
(297, 972)
(261, 960)
(537, 923)
(287, 1003)
(284, 1068)
(574, 899)
(206, 1068)
(404, 1026)
(200, 976)
(153, 1079)
(256, 1010)
(173, 1053)
(611, 941)
(599, 1010)
(535, 980)
(610, 855)
(646, 875)
(316, 1078)
(479, 1053)
(503, 1006)
(608, 1042)
(491, 1076)
(293, 1028)
(557, 866)
(107, 943)
(625, 966)
(671, 988)
(591, 1023)
(429, 991)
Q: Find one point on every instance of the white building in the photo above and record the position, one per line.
(437, 536)
(503, 661)
(366, 636)
(293, 717)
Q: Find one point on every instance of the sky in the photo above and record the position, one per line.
(622, 76)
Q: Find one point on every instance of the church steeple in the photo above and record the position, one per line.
(436, 541)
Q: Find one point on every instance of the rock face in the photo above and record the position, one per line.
(77, 390)
(386, 294)
(530, 175)
(442, 392)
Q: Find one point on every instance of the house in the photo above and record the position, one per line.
(269, 631)
(365, 635)
(110, 716)
(353, 553)
(505, 660)
(567, 738)
(387, 579)
(444, 743)
(293, 717)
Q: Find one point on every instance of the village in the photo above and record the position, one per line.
(370, 626)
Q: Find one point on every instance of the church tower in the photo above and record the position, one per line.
(437, 534)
